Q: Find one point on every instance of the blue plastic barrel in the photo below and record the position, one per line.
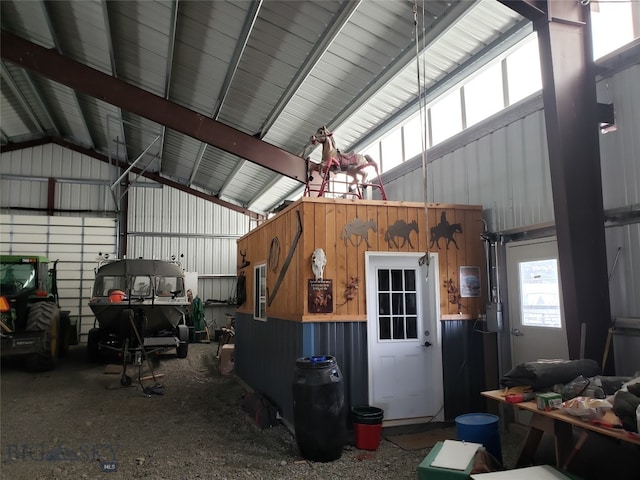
(480, 428)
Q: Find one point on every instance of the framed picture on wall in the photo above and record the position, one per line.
(320, 296)
(469, 282)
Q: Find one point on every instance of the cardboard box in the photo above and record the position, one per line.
(226, 359)
(548, 401)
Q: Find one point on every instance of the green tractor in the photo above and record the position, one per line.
(32, 324)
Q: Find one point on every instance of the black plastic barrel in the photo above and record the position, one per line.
(318, 408)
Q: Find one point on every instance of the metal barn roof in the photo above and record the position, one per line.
(273, 70)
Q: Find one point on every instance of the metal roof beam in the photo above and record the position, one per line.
(530, 9)
(141, 102)
(157, 178)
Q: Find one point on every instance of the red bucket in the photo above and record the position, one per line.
(367, 426)
(367, 436)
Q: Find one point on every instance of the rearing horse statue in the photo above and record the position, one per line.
(351, 163)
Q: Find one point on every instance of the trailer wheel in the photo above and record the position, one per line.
(183, 335)
(44, 316)
(93, 349)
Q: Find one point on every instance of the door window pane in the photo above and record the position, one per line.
(398, 304)
(396, 280)
(412, 327)
(383, 304)
(539, 294)
(398, 328)
(385, 328)
(383, 280)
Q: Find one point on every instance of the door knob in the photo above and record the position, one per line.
(516, 333)
(427, 344)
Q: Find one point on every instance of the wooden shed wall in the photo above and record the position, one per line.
(323, 222)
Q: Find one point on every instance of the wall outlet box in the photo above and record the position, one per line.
(548, 401)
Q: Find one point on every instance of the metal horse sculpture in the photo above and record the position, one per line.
(351, 163)
(447, 231)
(402, 230)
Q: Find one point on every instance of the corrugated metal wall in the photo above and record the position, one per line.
(502, 164)
(165, 222)
(265, 357)
(347, 341)
(266, 353)
(506, 171)
(462, 368)
(82, 183)
(162, 221)
(74, 241)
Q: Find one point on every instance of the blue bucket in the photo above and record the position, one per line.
(480, 428)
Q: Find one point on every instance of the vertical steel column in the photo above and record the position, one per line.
(571, 114)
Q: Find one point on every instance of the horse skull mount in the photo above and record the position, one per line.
(402, 230)
(351, 163)
(446, 230)
(318, 262)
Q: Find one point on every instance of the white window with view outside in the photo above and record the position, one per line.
(540, 294)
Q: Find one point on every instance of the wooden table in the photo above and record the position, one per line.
(560, 425)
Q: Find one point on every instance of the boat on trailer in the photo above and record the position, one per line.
(140, 307)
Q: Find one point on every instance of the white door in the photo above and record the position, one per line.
(535, 302)
(405, 366)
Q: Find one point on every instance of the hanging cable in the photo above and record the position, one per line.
(423, 131)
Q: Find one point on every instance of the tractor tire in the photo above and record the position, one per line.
(44, 316)
(182, 350)
(93, 348)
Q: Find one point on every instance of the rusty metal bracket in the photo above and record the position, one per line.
(287, 261)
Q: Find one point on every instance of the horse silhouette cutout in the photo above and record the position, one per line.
(402, 230)
(351, 163)
(360, 229)
(445, 230)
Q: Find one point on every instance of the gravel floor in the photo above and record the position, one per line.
(67, 423)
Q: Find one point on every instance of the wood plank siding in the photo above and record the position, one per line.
(326, 224)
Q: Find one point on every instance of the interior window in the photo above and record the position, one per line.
(260, 292)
